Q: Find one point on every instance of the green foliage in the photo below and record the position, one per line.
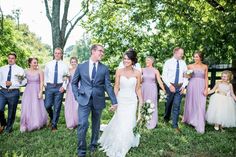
(23, 42)
(82, 49)
(161, 141)
(156, 27)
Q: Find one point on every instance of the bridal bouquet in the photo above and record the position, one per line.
(145, 115)
(163, 95)
(188, 73)
(20, 77)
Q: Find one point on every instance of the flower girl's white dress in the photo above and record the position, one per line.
(118, 136)
(222, 107)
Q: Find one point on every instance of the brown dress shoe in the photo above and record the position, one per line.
(177, 130)
(1, 129)
(54, 129)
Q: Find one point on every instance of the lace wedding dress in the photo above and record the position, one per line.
(118, 136)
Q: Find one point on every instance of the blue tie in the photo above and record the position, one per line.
(94, 71)
(9, 75)
(177, 73)
(56, 73)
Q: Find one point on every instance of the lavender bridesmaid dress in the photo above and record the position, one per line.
(33, 112)
(71, 107)
(149, 91)
(195, 101)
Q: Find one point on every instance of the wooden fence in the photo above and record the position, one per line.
(213, 76)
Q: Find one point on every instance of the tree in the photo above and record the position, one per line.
(156, 27)
(61, 30)
(82, 49)
(21, 41)
(2, 21)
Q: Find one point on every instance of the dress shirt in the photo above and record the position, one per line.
(169, 70)
(49, 72)
(15, 70)
(91, 68)
(137, 66)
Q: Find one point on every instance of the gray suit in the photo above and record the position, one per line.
(91, 98)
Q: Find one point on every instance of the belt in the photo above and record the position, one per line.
(8, 89)
(177, 84)
(54, 84)
(221, 93)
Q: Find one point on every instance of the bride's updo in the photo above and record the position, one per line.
(131, 54)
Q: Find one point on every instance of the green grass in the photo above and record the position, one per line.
(162, 141)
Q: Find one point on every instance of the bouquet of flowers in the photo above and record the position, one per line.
(163, 95)
(66, 76)
(20, 77)
(145, 116)
(188, 73)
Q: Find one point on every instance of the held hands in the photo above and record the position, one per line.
(181, 90)
(172, 88)
(205, 93)
(61, 89)
(113, 108)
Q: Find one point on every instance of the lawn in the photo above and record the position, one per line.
(162, 141)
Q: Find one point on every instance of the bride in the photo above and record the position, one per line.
(118, 136)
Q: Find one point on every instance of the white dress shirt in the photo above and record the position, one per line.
(137, 66)
(91, 68)
(15, 70)
(49, 72)
(169, 70)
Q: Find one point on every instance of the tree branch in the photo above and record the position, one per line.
(64, 18)
(76, 21)
(47, 11)
(216, 5)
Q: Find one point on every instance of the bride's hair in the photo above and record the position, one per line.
(131, 54)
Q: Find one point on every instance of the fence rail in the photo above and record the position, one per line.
(212, 78)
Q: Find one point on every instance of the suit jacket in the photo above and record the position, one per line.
(96, 89)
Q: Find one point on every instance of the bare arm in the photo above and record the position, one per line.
(213, 89)
(41, 78)
(206, 81)
(158, 76)
(232, 92)
(117, 82)
(138, 87)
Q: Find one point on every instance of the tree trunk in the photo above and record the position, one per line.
(55, 24)
(234, 73)
(60, 34)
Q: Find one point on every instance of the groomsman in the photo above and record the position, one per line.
(175, 83)
(9, 91)
(55, 87)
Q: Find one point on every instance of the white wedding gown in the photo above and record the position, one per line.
(118, 136)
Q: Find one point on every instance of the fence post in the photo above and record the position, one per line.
(213, 77)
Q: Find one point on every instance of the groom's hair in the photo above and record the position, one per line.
(177, 49)
(94, 47)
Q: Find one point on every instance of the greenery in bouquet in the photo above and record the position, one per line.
(188, 73)
(145, 115)
(20, 77)
(163, 95)
(66, 76)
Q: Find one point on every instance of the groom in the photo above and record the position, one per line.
(94, 80)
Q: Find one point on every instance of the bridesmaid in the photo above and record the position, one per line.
(195, 102)
(71, 105)
(149, 87)
(33, 112)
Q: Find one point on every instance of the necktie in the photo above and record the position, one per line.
(9, 75)
(177, 73)
(56, 73)
(94, 71)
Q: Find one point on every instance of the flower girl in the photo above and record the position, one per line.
(222, 107)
